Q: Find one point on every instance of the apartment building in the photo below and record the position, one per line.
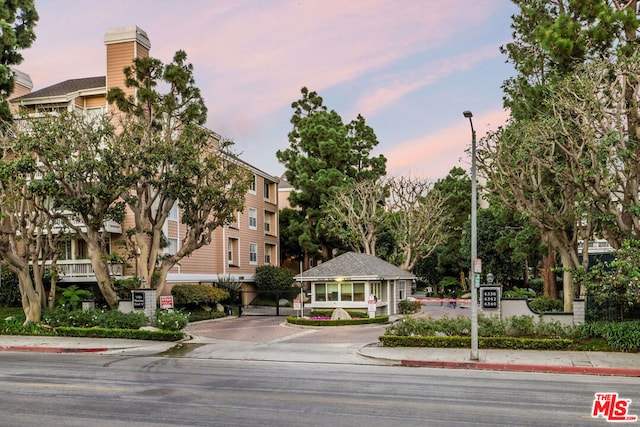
(249, 241)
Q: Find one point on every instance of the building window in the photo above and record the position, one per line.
(232, 249)
(253, 218)
(253, 253)
(339, 292)
(376, 289)
(346, 292)
(252, 186)
(267, 190)
(173, 213)
(64, 248)
(268, 218)
(268, 249)
(172, 246)
(402, 288)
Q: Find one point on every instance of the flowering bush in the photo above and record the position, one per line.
(171, 320)
(113, 319)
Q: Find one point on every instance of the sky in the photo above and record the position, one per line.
(410, 67)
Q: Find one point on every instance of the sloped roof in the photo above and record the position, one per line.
(351, 265)
(66, 87)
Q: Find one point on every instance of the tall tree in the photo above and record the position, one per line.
(357, 214)
(551, 39)
(167, 157)
(82, 179)
(417, 218)
(324, 156)
(17, 21)
(455, 188)
(28, 235)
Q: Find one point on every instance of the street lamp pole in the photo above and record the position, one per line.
(474, 242)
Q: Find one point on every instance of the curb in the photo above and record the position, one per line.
(581, 370)
(27, 348)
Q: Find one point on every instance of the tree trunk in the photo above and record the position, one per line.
(30, 298)
(567, 281)
(550, 284)
(102, 274)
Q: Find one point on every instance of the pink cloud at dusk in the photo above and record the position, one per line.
(251, 57)
(427, 74)
(434, 155)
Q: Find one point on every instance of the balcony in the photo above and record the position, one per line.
(109, 226)
(600, 246)
(74, 269)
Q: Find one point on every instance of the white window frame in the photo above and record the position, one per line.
(253, 253)
(267, 190)
(172, 246)
(232, 251)
(253, 185)
(173, 213)
(253, 218)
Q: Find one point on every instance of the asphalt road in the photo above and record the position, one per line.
(102, 390)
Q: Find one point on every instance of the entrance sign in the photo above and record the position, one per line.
(166, 302)
(138, 299)
(372, 306)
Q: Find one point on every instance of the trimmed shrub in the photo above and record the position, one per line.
(483, 342)
(133, 334)
(308, 322)
(115, 319)
(198, 295)
(546, 304)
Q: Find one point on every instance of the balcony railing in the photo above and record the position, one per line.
(596, 247)
(77, 268)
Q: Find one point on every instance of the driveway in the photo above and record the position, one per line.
(267, 329)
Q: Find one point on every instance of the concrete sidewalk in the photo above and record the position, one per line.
(567, 362)
(45, 344)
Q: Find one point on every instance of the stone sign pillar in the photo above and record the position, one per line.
(145, 300)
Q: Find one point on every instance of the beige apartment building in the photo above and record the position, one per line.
(251, 240)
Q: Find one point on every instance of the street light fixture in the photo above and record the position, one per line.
(474, 242)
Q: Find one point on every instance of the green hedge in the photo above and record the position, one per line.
(361, 321)
(329, 313)
(133, 334)
(198, 295)
(483, 342)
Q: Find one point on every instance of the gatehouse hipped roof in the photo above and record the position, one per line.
(354, 266)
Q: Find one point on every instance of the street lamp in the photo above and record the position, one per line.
(474, 242)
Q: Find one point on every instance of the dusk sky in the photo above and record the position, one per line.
(410, 67)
